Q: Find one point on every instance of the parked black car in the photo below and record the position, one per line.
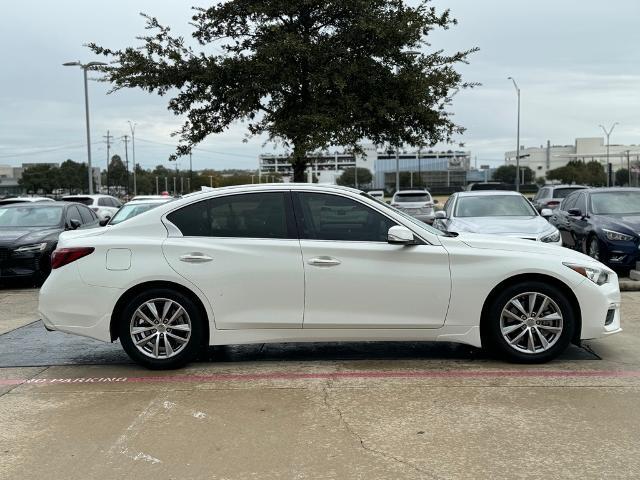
(604, 223)
(29, 233)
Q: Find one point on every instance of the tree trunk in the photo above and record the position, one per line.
(299, 164)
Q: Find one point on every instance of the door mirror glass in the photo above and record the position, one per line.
(104, 221)
(441, 215)
(399, 235)
(546, 212)
(74, 223)
(575, 212)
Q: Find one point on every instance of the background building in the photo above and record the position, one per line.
(417, 168)
(544, 158)
(9, 177)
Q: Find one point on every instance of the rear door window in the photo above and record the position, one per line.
(251, 215)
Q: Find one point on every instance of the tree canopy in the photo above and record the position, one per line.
(590, 173)
(306, 73)
(507, 174)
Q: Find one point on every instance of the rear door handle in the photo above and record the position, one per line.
(195, 257)
(324, 261)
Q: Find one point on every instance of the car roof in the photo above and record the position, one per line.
(142, 201)
(564, 186)
(87, 196)
(614, 189)
(484, 193)
(39, 204)
(416, 192)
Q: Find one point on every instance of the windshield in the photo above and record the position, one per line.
(564, 192)
(413, 220)
(411, 197)
(31, 216)
(494, 206)
(83, 200)
(130, 211)
(616, 203)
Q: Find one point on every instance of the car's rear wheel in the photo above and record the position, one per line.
(530, 322)
(161, 329)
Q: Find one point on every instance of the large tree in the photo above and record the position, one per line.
(307, 73)
(507, 174)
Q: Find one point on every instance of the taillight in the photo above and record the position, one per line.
(64, 256)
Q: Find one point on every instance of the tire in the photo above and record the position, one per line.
(593, 248)
(166, 347)
(508, 333)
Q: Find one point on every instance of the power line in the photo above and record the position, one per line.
(198, 149)
(47, 150)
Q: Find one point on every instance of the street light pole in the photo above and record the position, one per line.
(132, 126)
(608, 134)
(518, 138)
(86, 67)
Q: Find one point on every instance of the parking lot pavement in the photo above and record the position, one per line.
(18, 307)
(363, 410)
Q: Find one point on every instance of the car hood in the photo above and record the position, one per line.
(631, 222)
(27, 235)
(494, 242)
(530, 225)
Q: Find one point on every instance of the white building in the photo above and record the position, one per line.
(434, 168)
(544, 158)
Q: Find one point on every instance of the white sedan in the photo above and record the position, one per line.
(302, 263)
(496, 213)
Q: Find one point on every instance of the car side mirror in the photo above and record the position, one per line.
(104, 221)
(546, 212)
(575, 212)
(435, 201)
(441, 214)
(74, 223)
(399, 235)
(530, 199)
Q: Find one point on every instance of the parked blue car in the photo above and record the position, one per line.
(604, 223)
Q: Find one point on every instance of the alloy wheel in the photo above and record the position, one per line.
(531, 322)
(160, 328)
(594, 249)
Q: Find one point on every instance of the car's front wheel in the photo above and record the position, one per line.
(161, 329)
(530, 322)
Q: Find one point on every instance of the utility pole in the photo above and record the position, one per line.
(108, 137)
(608, 134)
(132, 126)
(125, 139)
(157, 186)
(190, 172)
(181, 185)
(166, 184)
(85, 67)
(518, 138)
(211, 181)
(175, 191)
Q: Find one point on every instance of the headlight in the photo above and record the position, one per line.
(595, 274)
(617, 236)
(36, 247)
(552, 237)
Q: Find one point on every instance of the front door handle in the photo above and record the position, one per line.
(324, 261)
(195, 257)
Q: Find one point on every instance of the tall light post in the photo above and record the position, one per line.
(517, 138)
(608, 134)
(132, 127)
(85, 67)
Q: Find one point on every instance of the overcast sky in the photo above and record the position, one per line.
(577, 63)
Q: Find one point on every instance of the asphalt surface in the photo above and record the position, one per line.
(72, 408)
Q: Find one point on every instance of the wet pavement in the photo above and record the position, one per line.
(74, 408)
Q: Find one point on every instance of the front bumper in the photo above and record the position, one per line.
(600, 308)
(23, 265)
(619, 255)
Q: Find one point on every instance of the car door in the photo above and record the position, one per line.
(355, 279)
(580, 225)
(561, 219)
(242, 252)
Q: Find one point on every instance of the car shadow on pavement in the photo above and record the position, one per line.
(32, 345)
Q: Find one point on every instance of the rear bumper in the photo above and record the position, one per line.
(67, 304)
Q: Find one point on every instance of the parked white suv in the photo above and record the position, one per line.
(105, 206)
(417, 203)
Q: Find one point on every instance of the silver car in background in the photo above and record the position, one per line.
(417, 203)
(496, 213)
